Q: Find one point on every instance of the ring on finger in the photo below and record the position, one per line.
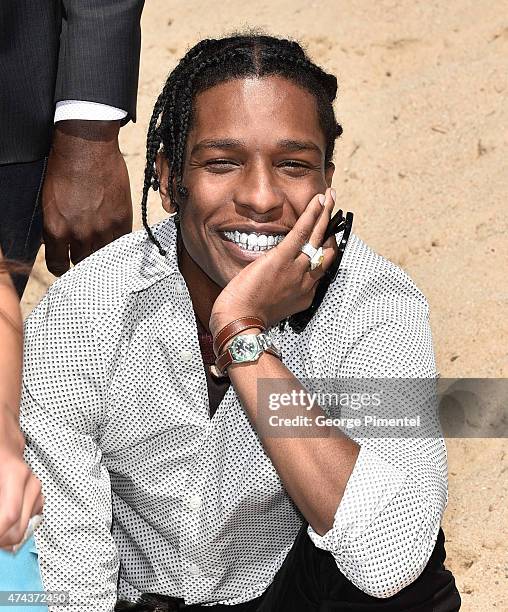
(316, 256)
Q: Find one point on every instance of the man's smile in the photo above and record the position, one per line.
(246, 246)
(253, 241)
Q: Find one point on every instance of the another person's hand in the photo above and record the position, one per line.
(20, 490)
(279, 283)
(86, 195)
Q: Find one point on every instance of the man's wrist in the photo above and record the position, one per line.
(70, 136)
(233, 328)
(86, 148)
(246, 347)
(219, 322)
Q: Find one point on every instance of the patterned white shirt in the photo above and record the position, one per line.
(145, 493)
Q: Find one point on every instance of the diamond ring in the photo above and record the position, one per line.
(316, 256)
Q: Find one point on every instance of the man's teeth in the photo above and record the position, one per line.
(254, 242)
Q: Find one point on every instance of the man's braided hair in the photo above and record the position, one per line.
(210, 63)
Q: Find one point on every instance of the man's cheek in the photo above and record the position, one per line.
(301, 198)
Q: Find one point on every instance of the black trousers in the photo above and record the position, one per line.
(309, 581)
(21, 214)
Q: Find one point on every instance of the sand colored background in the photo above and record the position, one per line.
(423, 99)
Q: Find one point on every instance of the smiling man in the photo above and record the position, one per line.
(142, 364)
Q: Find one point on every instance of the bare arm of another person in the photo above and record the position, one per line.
(20, 490)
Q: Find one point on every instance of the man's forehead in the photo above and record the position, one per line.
(272, 109)
(268, 99)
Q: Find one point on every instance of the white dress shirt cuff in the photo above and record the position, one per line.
(370, 488)
(90, 111)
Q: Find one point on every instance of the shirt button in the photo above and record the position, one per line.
(194, 502)
(194, 569)
(179, 286)
(185, 356)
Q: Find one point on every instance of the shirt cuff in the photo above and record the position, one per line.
(370, 488)
(89, 111)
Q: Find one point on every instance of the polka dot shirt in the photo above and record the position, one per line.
(145, 493)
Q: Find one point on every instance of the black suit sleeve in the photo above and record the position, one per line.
(99, 52)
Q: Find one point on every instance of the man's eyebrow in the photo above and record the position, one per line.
(298, 145)
(220, 143)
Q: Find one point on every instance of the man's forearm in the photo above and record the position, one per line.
(315, 471)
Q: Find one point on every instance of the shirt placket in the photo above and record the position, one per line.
(196, 580)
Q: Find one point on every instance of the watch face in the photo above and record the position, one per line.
(244, 348)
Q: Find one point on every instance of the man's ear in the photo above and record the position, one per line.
(330, 169)
(162, 166)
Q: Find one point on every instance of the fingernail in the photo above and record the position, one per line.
(33, 523)
(333, 194)
(321, 199)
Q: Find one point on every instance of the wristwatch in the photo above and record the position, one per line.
(247, 348)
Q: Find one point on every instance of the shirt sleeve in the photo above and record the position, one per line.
(89, 111)
(386, 524)
(98, 58)
(62, 409)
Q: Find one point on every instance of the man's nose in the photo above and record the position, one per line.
(258, 190)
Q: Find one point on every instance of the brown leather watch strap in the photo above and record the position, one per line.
(234, 328)
(223, 362)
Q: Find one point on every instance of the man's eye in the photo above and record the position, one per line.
(295, 167)
(220, 165)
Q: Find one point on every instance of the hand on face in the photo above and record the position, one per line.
(281, 282)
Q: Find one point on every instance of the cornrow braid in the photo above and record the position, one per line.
(153, 142)
(209, 63)
(303, 66)
(186, 109)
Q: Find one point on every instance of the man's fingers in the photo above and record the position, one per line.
(319, 229)
(57, 255)
(302, 229)
(120, 231)
(123, 225)
(104, 238)
(80, 250)
(81, 247)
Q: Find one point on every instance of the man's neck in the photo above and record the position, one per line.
(203, 291)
